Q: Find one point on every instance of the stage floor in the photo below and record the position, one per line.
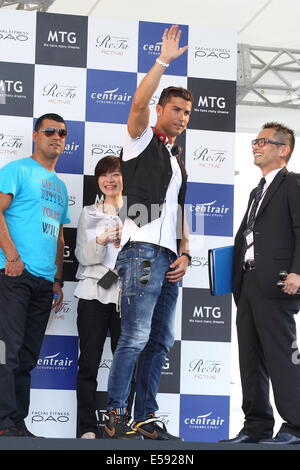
(119, 447)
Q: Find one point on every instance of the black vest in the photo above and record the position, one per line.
(145, 182)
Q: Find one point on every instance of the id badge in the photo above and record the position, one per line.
(248, 236)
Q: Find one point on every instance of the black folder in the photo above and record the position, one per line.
(220, 265)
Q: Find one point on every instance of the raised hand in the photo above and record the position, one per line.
(170, 49)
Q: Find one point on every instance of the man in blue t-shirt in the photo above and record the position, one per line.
(33, 210)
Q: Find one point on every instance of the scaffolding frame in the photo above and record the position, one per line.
(268, 76)
(39, 5)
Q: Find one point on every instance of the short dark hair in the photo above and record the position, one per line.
(283, 133)
(171, 91)
(51, 116)
(109, 163)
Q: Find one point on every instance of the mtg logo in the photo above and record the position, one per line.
(62, 37)
(61, 40)
(211, 53)
(212, 104)
(206, 312)
(109, 44)
(14, 36)
(12, 87)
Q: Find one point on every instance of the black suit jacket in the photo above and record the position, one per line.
(276, 235)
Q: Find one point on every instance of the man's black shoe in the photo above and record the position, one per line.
(241, 439)
(282, 438)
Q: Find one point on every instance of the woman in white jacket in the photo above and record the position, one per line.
(97, 246)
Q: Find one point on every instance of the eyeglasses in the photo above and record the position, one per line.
(262, 141)
(49, 131)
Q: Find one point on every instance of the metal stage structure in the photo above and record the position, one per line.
(268, 76)
(39, 5)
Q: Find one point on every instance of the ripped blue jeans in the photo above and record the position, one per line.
(148, 304)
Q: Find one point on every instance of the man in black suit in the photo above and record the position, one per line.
(267, 242)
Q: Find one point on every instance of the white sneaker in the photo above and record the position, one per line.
(88, 435)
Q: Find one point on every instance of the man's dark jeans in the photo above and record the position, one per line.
(25, 305)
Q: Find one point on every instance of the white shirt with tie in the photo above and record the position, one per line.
(249, 255)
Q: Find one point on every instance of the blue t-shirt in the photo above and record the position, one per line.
(38, 208)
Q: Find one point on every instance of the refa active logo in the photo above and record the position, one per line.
(165, 417)
(58, 362)
(64, 310)
(209, 157)
(212, 53)
(206, 421)
(202, 369)
(115, 97)
(59, 94)
(11, 144)
(61, 39)
(115, 45)
(12, 36)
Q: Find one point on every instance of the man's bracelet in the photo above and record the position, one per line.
(188, 256)
(59, 281)
(162, 63)
(14, 260)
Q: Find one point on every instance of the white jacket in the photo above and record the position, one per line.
(91, 257)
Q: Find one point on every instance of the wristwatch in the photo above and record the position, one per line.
(188, 256)
(60, 281)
